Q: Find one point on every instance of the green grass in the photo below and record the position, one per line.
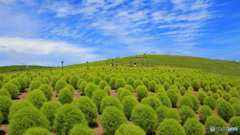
(209, 65)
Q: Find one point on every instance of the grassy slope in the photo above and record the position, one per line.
(215, 66)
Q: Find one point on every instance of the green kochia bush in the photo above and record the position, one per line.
(107, 78)
(214, 88)
(129, 87)
(195, 101)
(12, 89)
(110, 101)
(111, 120)
(204, 112)
(124, 93)
(22, 83)
(193, 127)
(170, 127)
(141, 92)
(120, 83)
(173, 96)
(129, 129)
(15, 82)
(112, 82)
(37, 98)
(65, 96)
(182, 90)
(186, 101)
(145, 117)
(82, 87)
(201, 96)
(145, 81)
(87, 106)
(186, 112)
(235, 122)
(66, 117)
(90, 88)
(97, 97)
(5, 105)
(17, 106)
(215, 121)
(73, 81)
(54, 80)
(166, 113)
(129, 102)
(107, 89)
(26, 118)
(152, 101)
(4, 92)
(210, 101)
(225, 110)
(49, 109)
(97, 80)
(166, 85)
(137, 83)
(47, 91)
(186, 84)
(152, 85)
(34, 85)
(37, 131)
(103, 84)
(234, 100)
(195, 85)
(236, 107)
(164, 99)
(60, 85)
(81, 129)
(130, 81)
(227, 96)
(28, 81)
(80, 81)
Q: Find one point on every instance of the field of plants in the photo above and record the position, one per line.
(119, 100)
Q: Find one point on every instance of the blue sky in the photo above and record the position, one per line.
(45, 32)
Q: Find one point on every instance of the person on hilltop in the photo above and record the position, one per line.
(135, 64)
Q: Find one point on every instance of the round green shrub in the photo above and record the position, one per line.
(97, 97)
(156, 80)
(235, 122)
(193, 127)
(17, 106)
(220, 87)
(236, 107)
(90, 78)
(173, 96)
(81, 129)
(228, 88)
(90, 88)
(220, 99)
(201, 96)
(103, 84)
(178, 85)
(4, 92)
(120, 90)
(97, 80)
(110, 101)
(130, 129)
(209, 93)
(232, 100)
(137, 83)
(111, 120)
(128, 103)
(210, 101)
(37, 131)
(60, 85)
(215, 121)
(47, 91)
(79, 82)
(141, 92)
(5, 105)
(112, 82)
(27, 81)
(186, 112)
(215, 96)
(185, 101)
(49, 109)
(166, 113)
(145, 117)
(65, 96)
(15, 82)
(12, 89)
(224, 85)
(145, 81)
(234, 93)
(195, 85)
(186, 84)
(166, 85)
(82, 87)
(107, 78)
(87, 106)
(37, 98)
(170, 127)
(227, 96)
(207, 88)
(22, 83)
(34, 85)
(70, 87)
(130, 81)
(66, 117)
(161, 89)
(124, 93)
(40, 80)
(107, 89)
(152, 101)
(120, 83)
(182, 90)
(225, 110)
(204, 84)
(152, 85)
(129, 87)
(195, 101)
(214, 88)
(73, 81)
(220, 93)
(204, 112)
(164, 99)
(26, 118)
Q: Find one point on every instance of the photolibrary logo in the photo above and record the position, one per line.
(212, 129)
